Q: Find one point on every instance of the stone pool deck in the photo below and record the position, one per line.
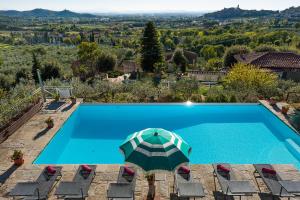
(32, 137)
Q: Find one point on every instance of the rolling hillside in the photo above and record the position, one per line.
(43, 13)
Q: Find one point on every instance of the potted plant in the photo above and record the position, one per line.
(50, 122)
(17, 157)
(285, 109)
(56, 97)
(73, 99)
(273, 100)
(260, 97)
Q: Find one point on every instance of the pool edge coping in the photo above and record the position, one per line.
(276, 114)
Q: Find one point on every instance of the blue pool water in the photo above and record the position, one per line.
(237, 134)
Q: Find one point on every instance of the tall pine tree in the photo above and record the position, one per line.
(35, 66)
(92, 37)
(151, 51)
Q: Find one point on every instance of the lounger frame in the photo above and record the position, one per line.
(178, 178)
(226, 190)
(122, 180)
(43, 178)
(258, 175)
(86, 182)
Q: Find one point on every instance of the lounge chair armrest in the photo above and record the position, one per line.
(290, 186)
(242, 186)
(69, 188)
(25, 189)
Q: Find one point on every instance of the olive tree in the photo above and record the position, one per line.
(185, 87)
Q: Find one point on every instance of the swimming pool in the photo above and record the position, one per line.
(232, 133)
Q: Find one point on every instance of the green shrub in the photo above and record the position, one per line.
(114, 74)
(15, 102)
(196, 98)
(266, 48)
(50, 71)
(233, 99)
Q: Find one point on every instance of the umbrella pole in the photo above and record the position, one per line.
(151, 184)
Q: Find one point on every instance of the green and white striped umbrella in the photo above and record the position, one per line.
(155, 149)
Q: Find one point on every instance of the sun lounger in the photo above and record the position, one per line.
(125, 186)
(275, 184)
(38, 189)
(79, 187)
(64, 93)
(230, 186)
(186, 186)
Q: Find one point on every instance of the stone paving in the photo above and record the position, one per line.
(32, 137)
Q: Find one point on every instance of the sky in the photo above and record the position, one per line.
(145, 5)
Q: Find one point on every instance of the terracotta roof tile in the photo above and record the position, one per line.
(275, 60)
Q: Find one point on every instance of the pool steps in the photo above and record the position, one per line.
(293, 147)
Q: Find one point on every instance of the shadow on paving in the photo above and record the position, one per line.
(54, 105)
(41, 133)
(220, 196)
(217, 196)
(65, 109)
(175, 197)
(7, 173)
(267, 196)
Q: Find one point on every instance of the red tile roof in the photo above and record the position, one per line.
(129, 66)
(189, 55)
(275, 60)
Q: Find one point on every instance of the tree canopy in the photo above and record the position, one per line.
(88, 53)
(106, 62)
(212, 51)
(93, 60)
(50, 70)
(36, 65)
(229, 59)
(248, 78)
(151, 51)
(180, 60)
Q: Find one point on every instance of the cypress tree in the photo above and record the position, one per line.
(151, 51)
(35, 66)
(92, 37)
(180, 60)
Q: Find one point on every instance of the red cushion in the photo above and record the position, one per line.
(50, 170)
(184, 169)
(268, 171)
(128, 171)
(223, 168)
(86, 168)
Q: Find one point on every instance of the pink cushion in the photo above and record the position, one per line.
(50, 170)
(128, 171)
(268, 171)
(184, 169)
(86, 168)
(223, 168)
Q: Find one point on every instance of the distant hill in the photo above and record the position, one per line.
(292, 12)
(43, 13)
(231, 13)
